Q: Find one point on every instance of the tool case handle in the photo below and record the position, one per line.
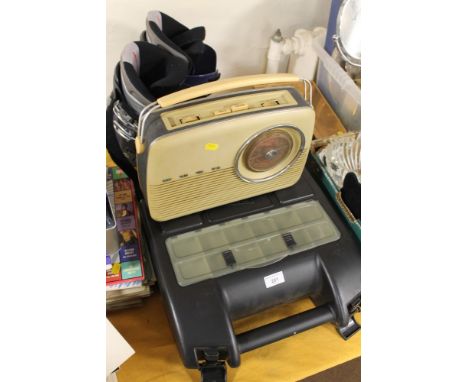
(284, 328)
(292, 325)
(225, 85)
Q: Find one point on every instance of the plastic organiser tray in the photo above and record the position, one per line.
(249, 242)
(339, 89)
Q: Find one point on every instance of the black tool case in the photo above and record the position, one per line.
(201, 314)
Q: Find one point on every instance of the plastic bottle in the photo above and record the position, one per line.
(275, 56)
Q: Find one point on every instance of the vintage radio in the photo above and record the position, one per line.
(197, 153)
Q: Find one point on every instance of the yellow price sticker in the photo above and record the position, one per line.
(116, 268)
(211, 146)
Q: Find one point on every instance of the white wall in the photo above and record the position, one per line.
(239, 31)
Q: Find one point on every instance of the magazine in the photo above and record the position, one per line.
(126, 265)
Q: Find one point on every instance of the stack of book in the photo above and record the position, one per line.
(129, 272)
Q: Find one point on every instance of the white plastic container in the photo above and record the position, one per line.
(339, 89)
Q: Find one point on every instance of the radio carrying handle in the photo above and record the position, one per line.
(225, 85)
(216, 87)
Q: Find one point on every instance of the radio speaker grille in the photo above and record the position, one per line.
(201, 192)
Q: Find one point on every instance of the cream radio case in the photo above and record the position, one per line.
(198, 153)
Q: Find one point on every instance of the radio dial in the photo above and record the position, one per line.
(267, 150)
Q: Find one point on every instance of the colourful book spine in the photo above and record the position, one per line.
(126, 265)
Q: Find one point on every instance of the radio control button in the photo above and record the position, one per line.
(239, 107)
(270, 103)
(189, 118)
(221, 112)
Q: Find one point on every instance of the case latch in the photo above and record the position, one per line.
(350, 329)
(212, 367)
